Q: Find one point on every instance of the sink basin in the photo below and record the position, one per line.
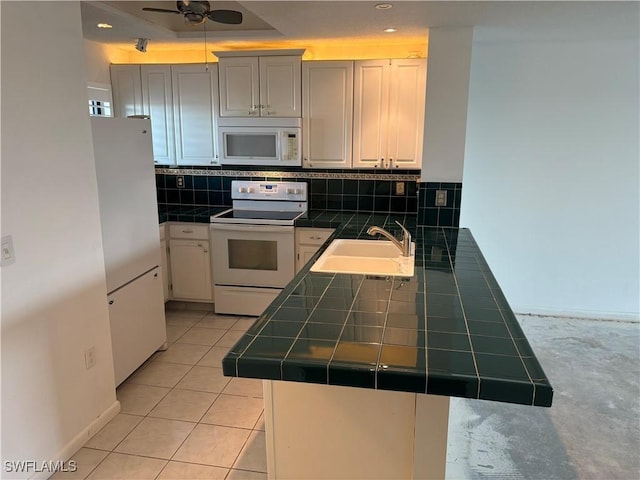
(370, 257)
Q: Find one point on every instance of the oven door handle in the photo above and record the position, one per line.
(251, 228)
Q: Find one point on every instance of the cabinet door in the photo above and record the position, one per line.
(126, 87)
(308, 241)
(157, 103)
(190, 269)
(194, 107)
(136, 315)
(280, 86)
(327, 93)
(406, 112)
(239, 92)
(370, 113)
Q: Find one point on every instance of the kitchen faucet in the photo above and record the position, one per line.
(404, 247)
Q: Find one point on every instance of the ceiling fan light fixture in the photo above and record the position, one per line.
(194, 18)
(390, 30)
(383, 6)
(104, 25)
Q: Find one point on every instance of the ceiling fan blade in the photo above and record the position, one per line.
(162, 10)
(230, 17)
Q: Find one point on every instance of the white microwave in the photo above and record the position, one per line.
(255, 141)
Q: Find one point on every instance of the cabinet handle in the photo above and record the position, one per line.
(187, 231)
(155, 275)
(204, 248)
(110, 302)
(316, 238)
(391, 163)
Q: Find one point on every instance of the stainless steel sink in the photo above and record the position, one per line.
(370, 257)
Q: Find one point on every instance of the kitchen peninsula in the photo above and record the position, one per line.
(405, 344)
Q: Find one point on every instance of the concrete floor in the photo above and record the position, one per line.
(592, 430)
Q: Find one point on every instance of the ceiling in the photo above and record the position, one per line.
(287, 24)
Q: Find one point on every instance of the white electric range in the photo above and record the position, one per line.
(253, 244)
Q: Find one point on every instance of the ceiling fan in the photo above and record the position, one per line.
(197, 12)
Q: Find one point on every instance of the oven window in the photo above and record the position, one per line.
(253, 254)
(245, 145)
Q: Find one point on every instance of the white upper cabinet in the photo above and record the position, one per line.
(389, 101)
(239, 87)
(327, 106)
(280, 86)
(267, 86)
(127, 90)
(182, 101)
(194, 109)
(157, 102)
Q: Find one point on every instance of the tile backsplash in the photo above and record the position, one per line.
(334, 190)
(431, 215)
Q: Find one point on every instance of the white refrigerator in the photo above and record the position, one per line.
(131, 240)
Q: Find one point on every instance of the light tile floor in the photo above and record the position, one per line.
(181, 418)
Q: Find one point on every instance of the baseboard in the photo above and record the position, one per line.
(83, 437)
(579, 314)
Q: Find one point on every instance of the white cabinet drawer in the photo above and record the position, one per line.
(189, 230)
(313, 236)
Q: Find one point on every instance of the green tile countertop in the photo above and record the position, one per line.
(448, 330)
(178, 213)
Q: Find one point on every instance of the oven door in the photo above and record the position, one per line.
(252, 255)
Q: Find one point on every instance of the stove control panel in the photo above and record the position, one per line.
(251, 190)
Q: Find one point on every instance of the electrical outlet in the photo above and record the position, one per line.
(180, 181)
(8, 256)
(399, 188)
(90, 357)
(441, 198)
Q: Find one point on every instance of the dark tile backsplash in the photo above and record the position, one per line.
(431, 215)
(378, 195)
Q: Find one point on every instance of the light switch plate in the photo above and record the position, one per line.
(441, 198)
(7, 254)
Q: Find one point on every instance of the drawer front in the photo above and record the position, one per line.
(313, 236)
(189, 230)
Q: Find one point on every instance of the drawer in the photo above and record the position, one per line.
(313, 236)
(189, 230)
(162, 231)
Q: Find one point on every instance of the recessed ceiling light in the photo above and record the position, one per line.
(384, 6)
(104, 25)
(390, 30)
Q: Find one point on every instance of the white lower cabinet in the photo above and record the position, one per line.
(190, 262)
(308, 242)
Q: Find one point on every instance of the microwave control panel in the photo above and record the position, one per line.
(291, 143)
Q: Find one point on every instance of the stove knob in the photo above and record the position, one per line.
(290, 191)
(242, 190)
(250, 190)
(298, 191)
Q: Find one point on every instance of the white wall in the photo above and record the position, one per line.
(54, 295)
(551, 180)
(98, 57)
(445, 119)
